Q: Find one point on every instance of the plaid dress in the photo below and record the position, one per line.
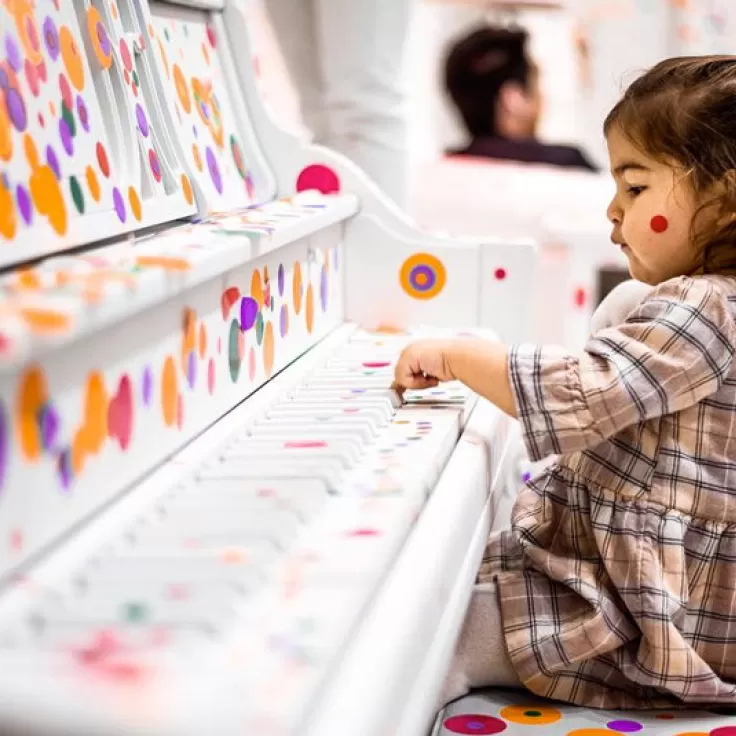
(617, 580)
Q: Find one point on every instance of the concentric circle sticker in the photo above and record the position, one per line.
(531, 715)
(474, 724)
(423, 276)
(99, 38)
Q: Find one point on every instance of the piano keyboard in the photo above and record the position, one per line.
(242, 568)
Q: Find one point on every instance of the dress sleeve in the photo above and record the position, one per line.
(673, 351)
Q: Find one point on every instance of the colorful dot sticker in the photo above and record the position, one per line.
(531, 715)
(98, 36)
(72, 59)
(319, 177)
(623, 726)
(474, 724)
(659, 224)
(422, 276)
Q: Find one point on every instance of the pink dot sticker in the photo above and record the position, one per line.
(377, 364)
(305, 444)
(319, 177)
(475, 724)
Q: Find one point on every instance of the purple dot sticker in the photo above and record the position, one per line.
(51, 38)
(119, 203)
(526, 477)
(147, 386)
(53, 162)
(214, 170)
(284, 320)
(65, 469)
(154, 164)
(625, 726)
(140, 115)
(323, 289)
(104, 40)
(66, 137)
(25, 207)
(3, 445)
(422, 278)
(192, 369)
(16, 109)
(280, 279)
(82, 113)
(335, 255)
(12, 53)
(49, 426)
(248, 312)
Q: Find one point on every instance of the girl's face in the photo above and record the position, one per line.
(652, 213)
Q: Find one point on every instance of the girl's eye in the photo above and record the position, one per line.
(635, 191)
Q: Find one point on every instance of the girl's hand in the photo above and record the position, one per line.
(424, 364)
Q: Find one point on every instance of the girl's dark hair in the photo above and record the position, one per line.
(684, 110)
(476, 68)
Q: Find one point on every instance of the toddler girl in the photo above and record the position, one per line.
(616, 585)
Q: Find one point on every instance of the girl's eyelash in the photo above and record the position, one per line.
(635, 190)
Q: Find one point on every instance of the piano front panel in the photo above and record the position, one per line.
(87, 420)
(82, 154)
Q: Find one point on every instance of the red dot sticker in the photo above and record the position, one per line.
(125, 55)
(319, 177)
(580, 298)
(500, 274)
(475, 724)
(724, 731)
(102, 160)
(659, 223)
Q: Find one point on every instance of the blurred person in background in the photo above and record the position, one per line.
(346, 59)
(494, 86)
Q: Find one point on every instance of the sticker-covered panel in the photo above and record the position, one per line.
(78, 427)
(73, 127)
(212, 127)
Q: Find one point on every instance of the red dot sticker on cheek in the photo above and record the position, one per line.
(659, 223)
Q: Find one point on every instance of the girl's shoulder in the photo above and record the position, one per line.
(702, 291)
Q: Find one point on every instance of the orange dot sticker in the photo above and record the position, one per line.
(182, 90)
(169, 392)
(32, 395)
(45, 321)
(98, 36)
(186, 187)
(535, 715)
(422, 276)
(96, 403)
(197, 157)
(297, 287)
(164, 58)
(8, 219)
(309, 313)
(48, 199)
(202, 341)
(25, 24)
(72, 58)
(268, 348)
(6, 135)
(256, 287)
(135, 203)
(93, 184)
(167, 263)
(30, 150)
